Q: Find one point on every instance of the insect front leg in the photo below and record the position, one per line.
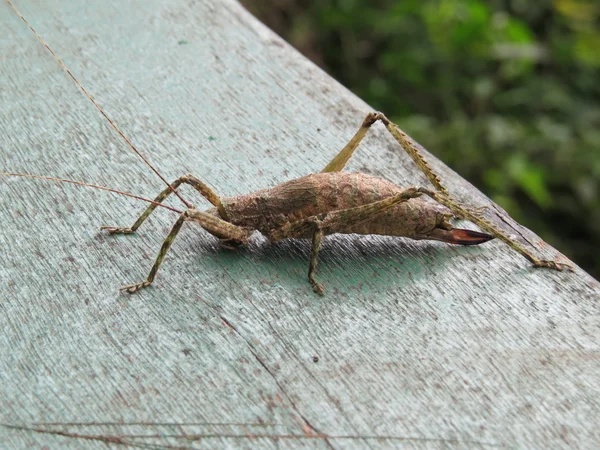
(409, 146)
(207, 192)
(474, 215)
(215, 226)
(131, 288)
(334, 222)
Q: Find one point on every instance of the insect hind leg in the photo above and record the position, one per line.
(207, 192)
(475, 216)
(340, 160)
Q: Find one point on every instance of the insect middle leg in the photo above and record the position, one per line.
(215, 226)
(207, 192)
(340, 160)
(335, 221)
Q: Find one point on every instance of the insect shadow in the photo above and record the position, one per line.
(352, 262)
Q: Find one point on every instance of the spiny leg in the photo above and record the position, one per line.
(159, 259)
(334, 221)
(475, 216)
(207, 192)
(339, 162)
(442, 196)
(214, 225)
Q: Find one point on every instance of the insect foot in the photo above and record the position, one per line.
(317, 287)
(132, 288)
(118, 230)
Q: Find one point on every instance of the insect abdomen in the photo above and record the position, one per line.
(305, 197)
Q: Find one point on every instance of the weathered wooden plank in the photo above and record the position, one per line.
(418, 343)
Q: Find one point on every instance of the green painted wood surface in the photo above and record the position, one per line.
(419, 344)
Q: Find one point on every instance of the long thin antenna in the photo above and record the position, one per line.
(98, 106)
(81, 183)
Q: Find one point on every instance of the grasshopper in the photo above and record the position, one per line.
(321, 204)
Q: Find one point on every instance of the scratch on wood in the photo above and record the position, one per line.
(308, 429)
(198, 436)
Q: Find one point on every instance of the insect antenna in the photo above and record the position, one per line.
(88, 95)
(95, 186)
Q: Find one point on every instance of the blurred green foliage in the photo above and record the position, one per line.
(505, 92)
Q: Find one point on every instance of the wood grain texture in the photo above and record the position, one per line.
(419, 344)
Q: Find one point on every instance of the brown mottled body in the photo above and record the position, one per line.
(268, 210)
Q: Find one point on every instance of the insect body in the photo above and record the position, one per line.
(312, 207)
(270, 211)
(333, 202)
(321, 204)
